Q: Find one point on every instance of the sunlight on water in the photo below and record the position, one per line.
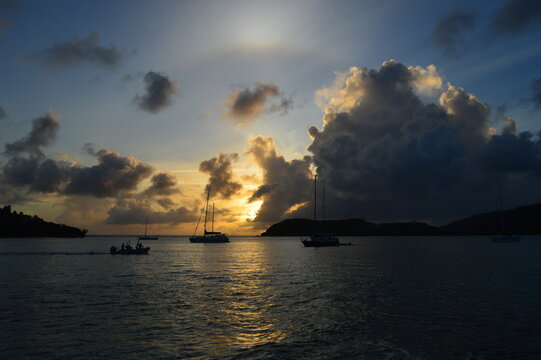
(386, 298)
(248, 298)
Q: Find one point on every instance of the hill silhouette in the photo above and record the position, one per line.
(13, 224)
(525, 220)
(350, 227)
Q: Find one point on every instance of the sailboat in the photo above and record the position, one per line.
(504, 237)
(147, 237)
(319, 239)
(208, 236)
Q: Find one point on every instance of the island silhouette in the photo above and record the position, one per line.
(17, 224)
(525, 220)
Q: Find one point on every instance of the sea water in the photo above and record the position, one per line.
(271, 298)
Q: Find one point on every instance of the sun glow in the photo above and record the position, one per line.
(252, 209)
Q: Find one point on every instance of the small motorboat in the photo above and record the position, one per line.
(128, 250)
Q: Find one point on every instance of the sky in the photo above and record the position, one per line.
(113, 112)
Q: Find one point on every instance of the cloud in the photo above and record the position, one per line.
(450, 32)
(388, 155)
(453, 32)
(36, 172)
(159, 92)
(162, 184)
(44, 132)
(515, 16)
(245, 106)
(510, 126)
(130, 211)
(27, 166)
(107, 189)
(166, 203)
(77, 51)
(535, 98)
(285, 183)
(114, 174)
(10, 194)
(3, 113)
(510, 153)
(221, 178)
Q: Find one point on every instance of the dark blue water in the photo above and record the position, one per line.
(258, 298)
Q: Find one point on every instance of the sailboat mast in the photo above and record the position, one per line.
(146, 223)
(501, 211)
(206, 211)
(212, 228)
(315, 203)
(323, 213)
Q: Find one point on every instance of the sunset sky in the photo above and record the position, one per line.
(114, 111)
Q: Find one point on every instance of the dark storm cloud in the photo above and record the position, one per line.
(79, 51)
(221, 179)
(112, 175)
(450, 32)
(27, 166)
(509, 153)
(162, 184)
(39, 174)
(285, 183)
(44, 132)
(129, 211)
(245, 106)
(159, 92)
(389, 155)
(516, 16)
(3, 113)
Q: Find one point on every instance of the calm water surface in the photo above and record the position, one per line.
(259, 298)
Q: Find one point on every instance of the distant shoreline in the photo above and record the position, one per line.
(19, 225)
(524, 220)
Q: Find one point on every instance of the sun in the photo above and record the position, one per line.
(252, 209)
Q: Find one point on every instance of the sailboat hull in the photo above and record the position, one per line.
(321, 241)
(148, 237)
(210, 239)
(309, 243)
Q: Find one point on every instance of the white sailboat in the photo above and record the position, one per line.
(319, 239)
(147, 237)
(208, 236)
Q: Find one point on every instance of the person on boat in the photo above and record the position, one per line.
(138, 246)
(123, 246)
(128, 247)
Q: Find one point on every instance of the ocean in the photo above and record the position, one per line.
(271, 298)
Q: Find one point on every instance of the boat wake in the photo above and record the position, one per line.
(11, 253)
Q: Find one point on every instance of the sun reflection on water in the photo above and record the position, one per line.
(248, 298)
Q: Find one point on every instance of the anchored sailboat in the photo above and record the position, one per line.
(147, 237)
(319, 239)
(208, 236)
(504, 236)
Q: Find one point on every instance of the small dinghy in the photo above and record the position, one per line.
(128, 250)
